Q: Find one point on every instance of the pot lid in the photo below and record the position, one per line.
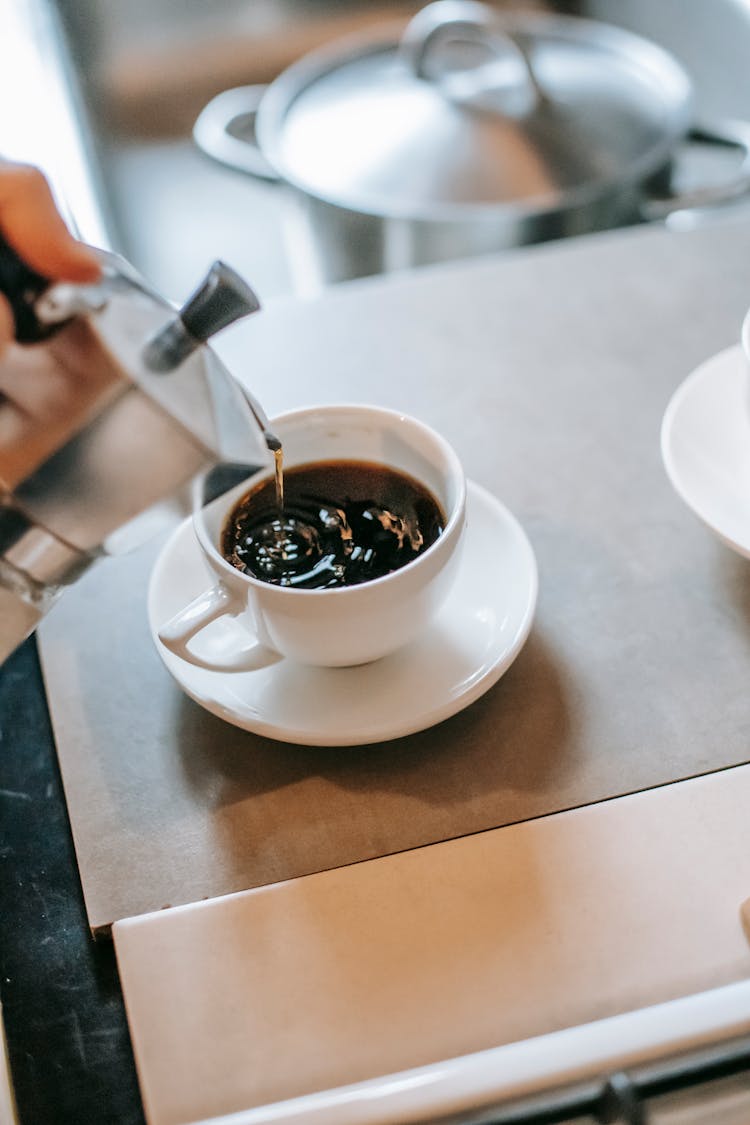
(473, 108)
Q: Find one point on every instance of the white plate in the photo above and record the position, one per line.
(472, 642)
(705, 444)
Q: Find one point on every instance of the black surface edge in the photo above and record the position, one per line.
(68, 1042)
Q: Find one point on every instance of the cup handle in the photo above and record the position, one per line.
(213, 603)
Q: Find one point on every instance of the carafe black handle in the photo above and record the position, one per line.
(22, 287)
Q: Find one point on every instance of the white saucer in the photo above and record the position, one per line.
(473, 640)
(705, 444)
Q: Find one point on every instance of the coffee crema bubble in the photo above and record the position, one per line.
(343, 523)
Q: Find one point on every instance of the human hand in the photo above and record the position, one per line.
(31, 223)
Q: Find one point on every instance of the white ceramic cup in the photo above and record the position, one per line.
(342, 625)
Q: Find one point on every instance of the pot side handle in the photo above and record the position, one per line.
(225, 131)
(726, 134)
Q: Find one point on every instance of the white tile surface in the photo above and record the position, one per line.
(398, 962)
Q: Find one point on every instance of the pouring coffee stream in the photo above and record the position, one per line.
(116, 406)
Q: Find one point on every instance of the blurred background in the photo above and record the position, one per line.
(148, 67)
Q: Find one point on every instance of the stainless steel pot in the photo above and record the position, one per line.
(473, 131)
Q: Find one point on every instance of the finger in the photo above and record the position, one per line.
(7, 324)
(32, 224)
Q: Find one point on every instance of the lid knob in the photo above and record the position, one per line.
(220, 299)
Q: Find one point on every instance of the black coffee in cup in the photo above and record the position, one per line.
(342, 523)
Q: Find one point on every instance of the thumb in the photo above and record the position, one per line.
(7, 325)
